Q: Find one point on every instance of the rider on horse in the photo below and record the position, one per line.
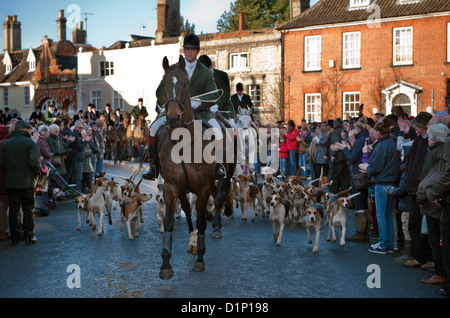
(224, 105)
(201, 81)
(138, 110)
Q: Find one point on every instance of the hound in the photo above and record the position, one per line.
(314, 219)
(281, 209)
(129, 211)
(160, 210)
(82, 202)
(337, 216)
(267, 192)
(297, 197)
(247, 193)
(96, 204)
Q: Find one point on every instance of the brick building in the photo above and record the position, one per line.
(339, 54)
(56, 71)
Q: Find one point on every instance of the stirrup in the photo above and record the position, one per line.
(151, 174)
(220, 171)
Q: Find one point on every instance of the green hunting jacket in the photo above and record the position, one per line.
(202, 82)
(223, 82)
(136, 112)
(20, 161)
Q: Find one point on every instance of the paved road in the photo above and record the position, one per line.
(244, 264)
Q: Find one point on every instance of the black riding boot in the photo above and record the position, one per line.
(220, 171)
(153, 170)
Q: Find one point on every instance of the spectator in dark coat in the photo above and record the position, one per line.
(77, 155)
(354, 156)
(437, 134)
(414, 162)
(37, 115)
(340, 175)
(20, 161)
(383, 167)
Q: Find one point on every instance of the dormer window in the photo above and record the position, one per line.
(31, 59)
(8, 63)
(359, 4)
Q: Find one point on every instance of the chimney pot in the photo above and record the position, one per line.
(241, 21)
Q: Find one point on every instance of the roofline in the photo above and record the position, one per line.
(383, 20)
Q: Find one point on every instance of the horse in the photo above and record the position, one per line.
(140, 136)
(179, 179)
(124, 140)
(111, 142)
(247, 127)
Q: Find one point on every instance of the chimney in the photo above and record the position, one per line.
(12, 34)
(241, 21)
(298, 7)
(79, 35)
(61, 24)
(169, 19)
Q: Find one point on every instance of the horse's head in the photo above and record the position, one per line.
(126, 118)
(245, 118)
(176, 93)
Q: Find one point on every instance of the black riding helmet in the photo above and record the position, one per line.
(191, 41)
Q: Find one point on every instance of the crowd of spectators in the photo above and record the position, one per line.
(406, 160)
(69, 151)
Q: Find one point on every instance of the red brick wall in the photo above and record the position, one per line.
(429, 57)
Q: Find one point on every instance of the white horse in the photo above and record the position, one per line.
(248, 133)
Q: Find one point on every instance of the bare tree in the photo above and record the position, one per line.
(330, 89)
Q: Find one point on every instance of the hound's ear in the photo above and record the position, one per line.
(165, 64)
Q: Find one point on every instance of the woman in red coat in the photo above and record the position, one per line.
(291, 143)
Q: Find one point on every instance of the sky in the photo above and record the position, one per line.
(108, 21)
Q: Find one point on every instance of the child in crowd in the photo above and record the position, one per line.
(283, 155)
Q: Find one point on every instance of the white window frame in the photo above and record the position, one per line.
(359, 3)
(405, 46)
(353, 106)
(351, 50)
(314, 102)
(26, 96)
(254, 91)
(448, 42)
(7, 62)
(108, 68)
(31, 59)
(97, 99)
(236, 61)
(313, 52)
(5, 97)
(118, 101)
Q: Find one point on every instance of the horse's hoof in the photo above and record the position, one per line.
(217, 234)
(199, 267)
(192, 249)
(166, 273)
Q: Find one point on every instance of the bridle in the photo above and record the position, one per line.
(181, 121)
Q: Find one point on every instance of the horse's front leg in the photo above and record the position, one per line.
(166, 271)
(202, 202)
(220, 200)
(186, 207)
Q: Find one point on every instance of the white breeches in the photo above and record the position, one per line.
(217, 131)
